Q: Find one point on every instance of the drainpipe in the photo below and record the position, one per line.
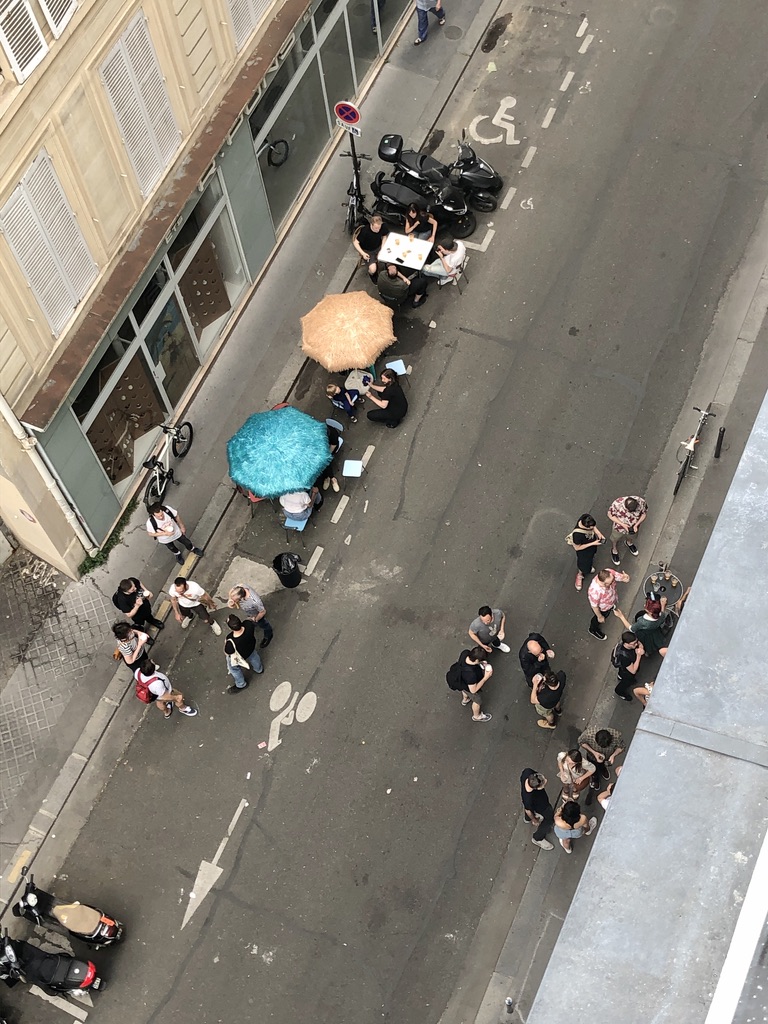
(29, 445)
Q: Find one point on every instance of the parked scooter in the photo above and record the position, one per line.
(77, 919)
(445, 202)
(55, 973)
(470, 173)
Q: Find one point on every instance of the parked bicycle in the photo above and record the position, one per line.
(355, 205)
(277, 151)
(688, 448)
(177, 440)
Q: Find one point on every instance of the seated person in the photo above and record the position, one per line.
(394, 285)
(392, 403)
(450, 257)
(368, 239)
(300, 504)
(344, 399)
(420, 223)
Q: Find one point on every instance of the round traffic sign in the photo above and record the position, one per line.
(347, 112)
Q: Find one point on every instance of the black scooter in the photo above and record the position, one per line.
(77, 919)
(470, 173)
(445, 202)
(55, 973)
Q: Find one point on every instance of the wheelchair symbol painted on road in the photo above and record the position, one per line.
(502, 119)
(286, 701)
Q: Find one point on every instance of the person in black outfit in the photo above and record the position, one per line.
(368, 239)
(395, 287)
(133, 599)
(534, 656)
(420, 223)
(626, 658)
(585, 539)
(536, 806)
(391, 401)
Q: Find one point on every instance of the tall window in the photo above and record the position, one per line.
(246, 15)
(21, 36)
(136, 88)
(41, 229)
(57, 13)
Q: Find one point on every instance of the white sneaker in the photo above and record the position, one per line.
(543, 843)
(185, 623)
(504, 648)
(216, 628)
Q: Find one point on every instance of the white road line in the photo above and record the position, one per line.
(567, 81)
(529, 156)
(372, 447)
(312, 563)
(506, 201)
(482, 246)
(340, 509)
(222, 845)
(548, 118)
(582, 28)
(62, 1004)
(585, 45)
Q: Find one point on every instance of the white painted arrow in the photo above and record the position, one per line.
(209, 871)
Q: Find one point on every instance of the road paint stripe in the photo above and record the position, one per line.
(548, 118)
(567, 81)
(340, 509)
(505, 203)
(529, 156)
(482, 246)
(312, 563)
(582, 28)
(223, 844)
(15, 873)
(62, 1004)
(372, 447)
(585, 45)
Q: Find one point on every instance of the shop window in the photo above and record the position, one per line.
(278, 81)
(172, 351)
(192, 226)
(100, 376)
(151, 292)
(337, 69)
(365, 44)
(323, 9)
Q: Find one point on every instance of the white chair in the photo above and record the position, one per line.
(456, 276)
(354, 468)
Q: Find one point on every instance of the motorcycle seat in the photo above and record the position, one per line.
(421, 162)
(77, 918)
(400, 194)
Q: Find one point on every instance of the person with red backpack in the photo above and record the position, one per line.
(154, 687)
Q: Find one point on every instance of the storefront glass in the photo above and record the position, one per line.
(171, 351)
(365, 44)
(337, 66)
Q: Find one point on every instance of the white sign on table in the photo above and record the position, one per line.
(404, 251)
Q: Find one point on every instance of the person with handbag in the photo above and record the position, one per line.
(585, 539)
(241, 653)
(574, 771)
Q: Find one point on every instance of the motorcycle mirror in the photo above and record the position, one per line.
(32, 900)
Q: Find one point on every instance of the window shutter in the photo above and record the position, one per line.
(21, 38)
(246, 15)
(45, 238)
(136, 89)
(58, 13)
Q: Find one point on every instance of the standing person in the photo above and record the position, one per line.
(626, 515)
(585, 539)
(189, 599)
(392, 403)
(547, 697)
(375, 4)
(240, 649)
(423, 9)
(602, 747)
(571, 824)
(368, 239)
(152, 683)
(625, 658)
(132, 644)
(166, 526)
(534, 656)
(603, 599)
(246, 600)
(536, 806)
(649, 627)
(133, 599)
(468, 676)
(488, 629)
(574, 771)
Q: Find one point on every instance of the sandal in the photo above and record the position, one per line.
(465, 702)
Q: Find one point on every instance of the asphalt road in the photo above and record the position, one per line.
(354, 878)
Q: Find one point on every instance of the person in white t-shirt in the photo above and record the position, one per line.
(159, 685)
(166, 526)
(188, 599)
(450, 258)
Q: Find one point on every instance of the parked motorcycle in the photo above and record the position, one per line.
(77, 919)
(444, 201)
(55, 973)
(470, 173)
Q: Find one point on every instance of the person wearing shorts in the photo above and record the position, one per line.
(571, 823)
(475, 673)
(159, 685)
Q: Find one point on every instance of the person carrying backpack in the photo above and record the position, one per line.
(166, 526)
(468, 676)
(154, 687)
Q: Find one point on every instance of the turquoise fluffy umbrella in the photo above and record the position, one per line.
(278, 452)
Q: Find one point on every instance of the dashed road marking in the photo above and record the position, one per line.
(482, 246)
(582, 28)
(15, 873)
(528, 158)
(585, 45)
(372, 447)
(548, 117)
(340, 509)
(567, 81)
(312, 563)
(62, 1004)
(507, 200)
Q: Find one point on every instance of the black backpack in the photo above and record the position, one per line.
(167, 512)
(453, 677)
(616, 659)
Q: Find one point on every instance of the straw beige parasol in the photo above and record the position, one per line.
(345, 332)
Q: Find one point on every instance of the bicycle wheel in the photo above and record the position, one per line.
(277, 153)
(182, 442)
(351, 219)
(682, 471)
(156, 488)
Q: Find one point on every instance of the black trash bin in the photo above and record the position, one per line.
(286, 565)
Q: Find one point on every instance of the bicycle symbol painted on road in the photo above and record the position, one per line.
(285, 700)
